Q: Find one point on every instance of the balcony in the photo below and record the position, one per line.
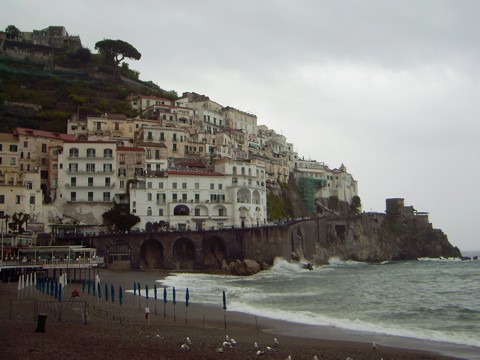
(88, 186)
(76, 171)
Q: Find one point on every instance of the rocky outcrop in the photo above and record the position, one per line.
(380, 237)
(245, 267)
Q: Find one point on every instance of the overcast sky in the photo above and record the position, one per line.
(388, 88)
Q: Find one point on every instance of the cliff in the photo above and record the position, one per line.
(378, 237)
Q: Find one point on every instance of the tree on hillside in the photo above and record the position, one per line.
(12, 31)
(355, 204)
(114, 51)
(119, 218)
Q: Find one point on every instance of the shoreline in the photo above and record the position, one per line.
(205, 325)
(318, 332)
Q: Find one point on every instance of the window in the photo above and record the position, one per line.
(174, 137)
(162, 136)
(219, 186)
(122, 158)
(220, 212)
(157, 154)
(184, 185)
(149, 185)
(107, 181)
(149, 197)
(184, 197)
(29, 185)
(197, 186)
(32, 200)
(174, 147)
(197, 198)
(160, 212)
(91, 153)
(73, 181)
(90, 196)
(107, 153)
(122, 184)
(90, 181)
(73, 196)
(13, 148)
(90, 167)
(174, 197)
(107, 168)
(73, 167)
(160, 185)
(44, 161)
(18, 199)
(149, 211)
(2, 199)
(117, 126)
(122, 172)
(212, 186)
(234, 170)
(25, 144)
(73, 152)
(44, 148)
(13, 161)
(174, 185)
(197, 212)
(106, 196)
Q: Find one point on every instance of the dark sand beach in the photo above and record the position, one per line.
(114, 332)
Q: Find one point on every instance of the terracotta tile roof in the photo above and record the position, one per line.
(43, 133)
(129, 148)
(195, 173)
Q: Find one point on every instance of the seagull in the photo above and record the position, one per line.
(255, 345)
(315, 357)
(275, 341)
(188, 341)
(270, 349)
(185, 347)
(227, 338)
(233, 341)
(227, 345)
(374, 345)
(259, 352)
(288, 357)
(219, 350)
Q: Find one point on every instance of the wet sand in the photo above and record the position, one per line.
(122, 332)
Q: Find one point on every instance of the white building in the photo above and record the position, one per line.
(233, 195)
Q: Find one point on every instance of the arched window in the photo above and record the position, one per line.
(249, 172)
(149, 211)
(243, 171)
(73, 152)
(107, 153)
(181, 210)
(234, 170)
(149, 197)
(90, 153)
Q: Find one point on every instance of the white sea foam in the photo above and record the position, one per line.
(377, 299)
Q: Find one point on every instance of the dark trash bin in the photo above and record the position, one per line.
(42, 319)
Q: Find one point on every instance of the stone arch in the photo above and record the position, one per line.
(181, 210)
(119, 255)
(149, 227)
(256, 197)
(151, 254)
(244, 196)
(184, 254)
(219, 210)
(214, 254)
(201, 210)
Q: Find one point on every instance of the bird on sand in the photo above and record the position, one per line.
(227, 345)
(233, 341)
(374, 345)
(275, 341)
(185, 347)
(219, 350)
(315, 357)
(188, 341)
(255, 345)
(260, 352)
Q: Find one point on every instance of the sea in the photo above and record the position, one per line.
(429, 304)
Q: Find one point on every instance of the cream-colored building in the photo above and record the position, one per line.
(232, 195)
